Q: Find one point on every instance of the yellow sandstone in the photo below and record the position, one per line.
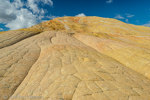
(76, 58)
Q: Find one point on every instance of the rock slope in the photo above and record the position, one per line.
(76, 58)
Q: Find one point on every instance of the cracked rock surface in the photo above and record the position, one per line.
(55, 65)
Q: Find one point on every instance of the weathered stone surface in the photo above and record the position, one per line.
(76, 62)
(12, 37)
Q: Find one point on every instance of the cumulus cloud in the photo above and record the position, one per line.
(18, 14)
(6, 13)
(33, 4)
(18, 3)
(129, 15)
(81, 15)
(1, 29)
(109, 1)
(119, 17)
(147, 24)
(24, 19)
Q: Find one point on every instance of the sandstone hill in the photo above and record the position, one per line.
(76, 58)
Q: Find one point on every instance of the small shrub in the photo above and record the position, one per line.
(70, 34)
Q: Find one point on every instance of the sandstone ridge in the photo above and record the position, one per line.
(76, 58)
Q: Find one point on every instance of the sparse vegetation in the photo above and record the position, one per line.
(2, 32)
(70, 34)
(31, 30)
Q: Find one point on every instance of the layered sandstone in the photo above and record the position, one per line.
(76, 58)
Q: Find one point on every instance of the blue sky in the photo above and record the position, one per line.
(16, 14)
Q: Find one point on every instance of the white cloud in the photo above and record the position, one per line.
(33, 4)
(18, 3)
(129, 15)
(6, 11)
(24, 19)
(127, 20)
(1, 29)
(42, 11)
(81, 15)
(109, 1)
(48, 2)
(119, 17)
(16, 14)
(147, 24)
(51, 16)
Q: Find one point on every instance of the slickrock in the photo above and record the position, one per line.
(12, 37)
(130, 55)
(76, 58)
(126, 43)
